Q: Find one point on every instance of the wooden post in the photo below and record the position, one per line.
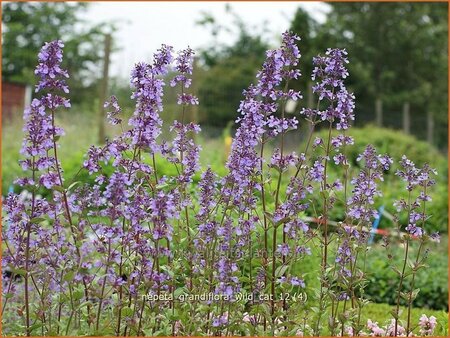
(379, 112)
(194, 89)
(104, 90)
(406, 118)
(193, 109)
(430, 127)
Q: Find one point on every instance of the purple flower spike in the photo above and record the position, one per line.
(49, 67)
(330, 72)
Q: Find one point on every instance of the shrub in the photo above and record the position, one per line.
(396, 144)
(432, 282)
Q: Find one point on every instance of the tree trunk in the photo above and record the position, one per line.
(406, 118)
(430, 127)
(379, 112)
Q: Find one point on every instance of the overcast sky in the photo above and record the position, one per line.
(144, 26)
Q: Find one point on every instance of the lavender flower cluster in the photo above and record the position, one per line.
(86, 255)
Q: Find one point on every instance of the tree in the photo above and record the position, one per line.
(313, 42)
(230, 69)
(28, 25)
(398, 54)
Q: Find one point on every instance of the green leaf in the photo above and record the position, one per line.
(244, 279)
(37, 220)
(173, 314)
(127, 312)
(397, 271)
(68, 277)
(74, 184)
(36, 326)
(59, 188)
(263, 309)
(84, 304)
(325, 194)
(21, 272)
(8, 295)
(404, 295)
(178, 292)
(162, 185)
(414, 294)
(283, 220)
(394, 313)
(269, 216)
(281, 270)
(78, 294)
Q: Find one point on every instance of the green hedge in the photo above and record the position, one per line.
(383, 281)
(396, 144)
(432, 281)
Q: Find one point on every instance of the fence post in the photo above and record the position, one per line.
(406, 118)
(430, 126)
(194, 88)
(103, 90)
(379, 112)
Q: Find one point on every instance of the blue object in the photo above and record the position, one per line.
(375, 224)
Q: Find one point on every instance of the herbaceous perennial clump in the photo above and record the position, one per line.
(142, 253)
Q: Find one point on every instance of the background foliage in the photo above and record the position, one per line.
(28, 25)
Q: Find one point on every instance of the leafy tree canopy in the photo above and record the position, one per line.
(231, 68)
(28, 25)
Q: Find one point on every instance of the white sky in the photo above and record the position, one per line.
(144, 26)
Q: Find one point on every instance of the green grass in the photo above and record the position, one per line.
(381, 313)
(80, 132)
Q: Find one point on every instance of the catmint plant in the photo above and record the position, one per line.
(418, 183)
(140, 252)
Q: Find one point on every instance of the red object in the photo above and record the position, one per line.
(383, 232)
(13, 99)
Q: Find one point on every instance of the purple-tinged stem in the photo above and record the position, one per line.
(402, 276)
(414, 272)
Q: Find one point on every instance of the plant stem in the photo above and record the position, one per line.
(402, 276)
(414, 272)
(325, 234)
(122, 246)
(266, 228)
(103, 287)
(410, 300)
(27, 301)
(183, 194)
(325, 257)
(312, 126)
(27, 254)
(72, 311)
(277, 201)
(59, 305)
(155, 265)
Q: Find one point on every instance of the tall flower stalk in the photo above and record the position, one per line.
(335, 106)
(415, 206)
